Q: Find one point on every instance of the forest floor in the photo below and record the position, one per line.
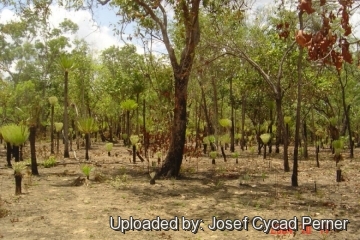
(52, 206)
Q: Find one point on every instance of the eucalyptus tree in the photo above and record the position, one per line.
(224, 35)
(320, 45)
(153, 17)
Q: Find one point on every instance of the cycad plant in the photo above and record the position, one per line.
(224, 140)
(134, 139)
(87, 126)
(236, 156)
(52, 100)
(109, 147)
(19, 167)
(265, 138)
(338, 145)
(213, 155)
(206, 142)
(16, 135)
(58, 128)
(66, 64)
(87, 169)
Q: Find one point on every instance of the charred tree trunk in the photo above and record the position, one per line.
(232, 129)
(280, 128)
(18, 178)
(87, 146)
(128, 127)
(21, 152)
(174, 156)
(32, 139)
(8, 154)
(134, 153)
(66, 121)
(317, 152)
(52, 151)
(270, 129)
(16, 153)
(243, 104)
(58, 143)
(306, 154)
(223, 152)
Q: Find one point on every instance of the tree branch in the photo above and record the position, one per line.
(163, 29)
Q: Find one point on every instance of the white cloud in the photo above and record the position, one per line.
(98, 37)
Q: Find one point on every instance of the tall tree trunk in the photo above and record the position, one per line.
(137, 114)
(32, 139)
(270, 128)
(294, 177)
(232, 129)
(243, 104)
(210, 129)
(174, 156)
(146, 145)
(282, 128)
(58, 142)
(306, 154)
(128, 127)
(346, 112)
(216, 109)
(52, 130)
(66, 121)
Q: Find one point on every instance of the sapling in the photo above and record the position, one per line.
(109, 147)
(86, 169)
(213, 155)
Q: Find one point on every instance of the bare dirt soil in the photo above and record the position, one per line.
(55, 206)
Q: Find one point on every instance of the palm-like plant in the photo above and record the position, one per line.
(87, 126)
(58, 128)
(66, 64)
(19, 167)
(15, 135)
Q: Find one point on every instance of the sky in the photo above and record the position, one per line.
(99, 34)
(96, 29)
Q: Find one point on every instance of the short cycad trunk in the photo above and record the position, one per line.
(32, 139)
(87, 145)
(18, 178)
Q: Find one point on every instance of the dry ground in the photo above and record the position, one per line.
(51, 207)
